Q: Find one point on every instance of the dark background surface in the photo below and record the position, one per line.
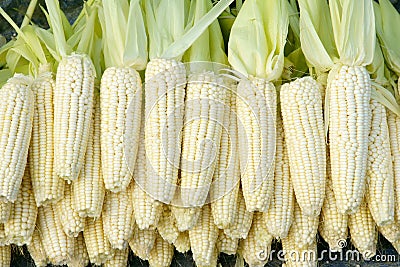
(20, 258)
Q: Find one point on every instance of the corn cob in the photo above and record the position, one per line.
(185, 218)
(256, 111)
(142, 242)
(164, 94)
(71, 222)
(349, 125)
(243, 219)
(88, 190)
(390, 231)
(226, 180)
(204, 111)
(58, 246)
(3, 240)
(396, 245)
(380, 189)
(394, 136)
(120, 100)
(279, 216)
(97, 244)
(182, 242)
(299, 257)
(47, 186)
(118, 217)
(21, 224)
(147, 209)
(161, 254)
(120, 258)
(203, 237)
(16, 117)
(213, 261)
(80, 257)
(226, 244)
(5, 210)
(363, 232)
(36, 250)
(257, 245)
(333, 225)
(302, 117)
(5, 256)
(166, 226)
(304, 227)
(73, 105)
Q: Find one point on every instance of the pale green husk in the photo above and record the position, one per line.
(258, 37)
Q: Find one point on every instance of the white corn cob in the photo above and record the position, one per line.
(304, 227)
(16, 116)
(166, 226)
(161, 253)
(3, 240)
(396, 245)
(121, 101)
(390, 231)
(80, 257)
(118, 217)
(394, 136)
(224, 190)
(5, 256)
(142, 242)
(36, 250)
(203, 237)
(363, 232)
(213, 260)
(257, 246)
(147, 208)
(47, 186)
(242, 222)
(185, 218)
(201, 136)
(71, 222)
(226, 244)
(73, 106)
(182, 242)
(120, 258)
(299, 257)
(88, 190)
(256, 111)
(349, 91)
(279, 216)
(302, 117)
(97, 244)
(380, 189)
(21, 224)
(333, 225)
(164, 94)
(5, 210)
(58, 246)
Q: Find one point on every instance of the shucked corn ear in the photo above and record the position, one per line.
(5, 209)
(120, 101)
(36, 250)
(162, 253)
(226, 244)
(302, 116)
(164, 94)
(120, 258)
(47, 186)
(185, 218)
(256, 111)
(88, 190)
(304, 228)
(147, 208)
(73, 107)
(166, 226)
(279, 216)
(80, 258)
(21, 224)
(204, 111)
(349, 125)
(182, 242)
(380, 189)
(16, 116)
(5, 256)
(58, 246)
(224, 191)
(142, 242)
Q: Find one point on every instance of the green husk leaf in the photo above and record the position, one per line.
(3, 52)
(258, 37)
(383, 96)
(5, 74)
(316, 36)
(377, 67)
(29, 12)
(176, 49)
(353, 25)
(48, 39)
(299, 63)
(387, 21)
(26, 53)
(13, 59)
(86, 40)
